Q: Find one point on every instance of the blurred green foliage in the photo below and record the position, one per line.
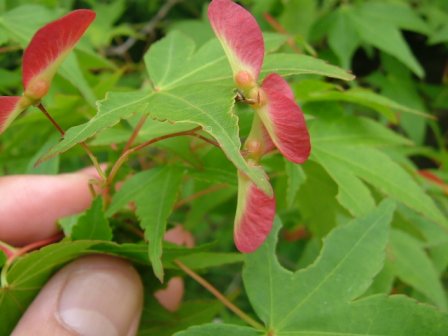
(372, 138)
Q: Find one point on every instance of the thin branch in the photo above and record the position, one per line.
(9, 49)
(280, 29)
(122, 159)
(134, 135)
(210, 141)
(18, 252)
(49, 117)
(36, 245)
(199, 194)
(86, 148)
(136, 231)
(207, 285)
(94, 160)
(7, 249)
(148, 29)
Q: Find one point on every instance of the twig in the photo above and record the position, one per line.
(210, 141)
(41, 243)
(137, 129)
(199, 194)
(249, 320)
(122, 159)
(147, 29)
(18, 252)
(280, 29)
(49, 117)
(92, 157)
(9, 49)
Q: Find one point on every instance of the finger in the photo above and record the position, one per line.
(31, 204)
(95, 295)
(179, 236)
(171, 297)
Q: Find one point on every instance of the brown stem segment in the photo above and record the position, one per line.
(246, 318)
(199, 194)
(122, 159)
(7, 249)
(49, 117)
(9, 49)
(41, 243)
(137, 129)
(203, 138)
(280, 29)
(82, 144)
(23, 250)
(147, 29)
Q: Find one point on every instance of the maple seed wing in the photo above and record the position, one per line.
(10, 108)
(49, 47)
(284, 120)
(239, 34)
(254, 216)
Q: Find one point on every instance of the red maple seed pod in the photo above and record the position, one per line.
(241, 38)
(254, 216)
(49, 47)
(284, 120)
(45, 53)
(10, 107)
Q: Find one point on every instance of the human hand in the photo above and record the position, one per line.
(94, 295)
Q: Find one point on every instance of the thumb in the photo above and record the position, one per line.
(95, 295)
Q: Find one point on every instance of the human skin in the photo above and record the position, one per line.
(94, 295)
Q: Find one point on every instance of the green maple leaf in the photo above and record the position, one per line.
(374, 26)
(154, 193)
(347, 149)
(324, 299)
(29, 273)
(93, 225)
(192, 86)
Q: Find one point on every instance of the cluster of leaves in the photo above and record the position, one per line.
(372, 138)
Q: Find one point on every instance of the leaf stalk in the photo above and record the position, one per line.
(207, 285)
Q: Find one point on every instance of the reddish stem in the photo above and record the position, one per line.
(428, 175)
(134, 135)
(122, 159)
(9, 250)
(225, 301)
(199, 194)
(49, 117)
(280, 29)
(295, 234)
(210, 141)
(9, 49)
(18, 252)
(82, 144)
(36, 245)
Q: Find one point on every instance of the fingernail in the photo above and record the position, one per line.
(99, 302)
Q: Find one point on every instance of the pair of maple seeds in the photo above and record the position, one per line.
(278, 121)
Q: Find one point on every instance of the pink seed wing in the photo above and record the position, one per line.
(239, 34)
(277, 83)
(269, 146)
(51, 44)
(284, 120)
(254, 216)
(9, 110)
